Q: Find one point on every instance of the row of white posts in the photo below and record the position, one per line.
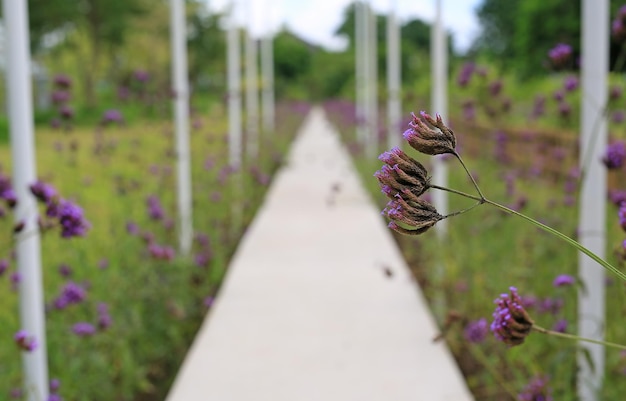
(593, 140)
(19, 99)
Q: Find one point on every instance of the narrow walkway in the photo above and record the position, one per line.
(306, 311)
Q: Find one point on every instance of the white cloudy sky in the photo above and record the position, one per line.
(316, 20)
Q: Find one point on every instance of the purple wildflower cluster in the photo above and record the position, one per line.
(511, 323)
(25, 341)
(560, 56)
(112, 116)
(84, 329)
(536, 390)
(466, 73)
(61, 97)
(67, 214)
(7, 194)
(615, 155)
(54, 386)
(476, 331)
(71, 294)
(204, 255)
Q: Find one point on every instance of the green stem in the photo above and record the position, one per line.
(454, 191)
(577, 338)
(563, 237)
(469, 175)
(462, 210)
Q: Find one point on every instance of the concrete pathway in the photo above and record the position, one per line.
(306, 312)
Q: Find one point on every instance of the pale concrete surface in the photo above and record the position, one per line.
(306, 311)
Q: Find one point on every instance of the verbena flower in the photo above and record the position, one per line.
(44, 192)
(615, 154)
(155, 210)
(62, 81)
(476, 331)
(511, 323)
(536, 390)
(560, 55)
(73, 223)
(560, 326)
(465, 75)
(401, 172)
(71, 293)
(430, 135)
(571, 83)
(4, 265)
(417, 214)
(104, 318)
(83, 329)
(621, 213)
(564, 280)
(112, 116)
(25, 341)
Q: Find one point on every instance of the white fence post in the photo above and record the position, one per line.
(28, 247)
(439, 99)
(180, 83)
(234, 90)
(592, 212)
(267, 71)
(252, 93)
(394, 131)
(360, 41)
(372, 84)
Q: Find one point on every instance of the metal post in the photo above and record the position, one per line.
(592, 213)
(394, 131)
(252, 96)
(181, 111)
(234, 91)
(28, 247)
(360, 42)
(439, 72)
(373, 85)
(267, 67)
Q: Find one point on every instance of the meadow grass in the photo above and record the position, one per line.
(156, 305)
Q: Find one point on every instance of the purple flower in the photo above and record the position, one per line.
(615, 154)
(25, 341)
(618, 116)
(54, 385)
(141, 76)
(62, 81)
(104, 319)
(132, 228)
(112, 116)
(564, 280)
(83, 329)
(495, 88)
(560, 55)
(621, 213)
(43, 192)
(208, 301)
(54, 397)
(571, 83)
(536, 390)
(550, 305)
(60, 97)
(71, 293)
(465, 75)
(4, 265)
(65, 270)
(511, 323)
(155, 210)
(66, 112)
(615, 92)
(73, 223)
(560, 326)
(476, 331)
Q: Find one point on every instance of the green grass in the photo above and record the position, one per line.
(156, 306)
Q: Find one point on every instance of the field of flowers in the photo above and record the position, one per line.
(122, 305)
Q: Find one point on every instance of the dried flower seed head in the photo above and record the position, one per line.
(400, 173)
(418, 215)
(428, 140)
(511, 323)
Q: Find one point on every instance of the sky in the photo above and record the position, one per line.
(316, 20)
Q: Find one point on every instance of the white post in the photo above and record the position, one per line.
(267, 70)
(367, 77)
(439, 73)
(234, 91)
(394, 131)
(359, 50)
(27, 248)
(181, 111)
(252, 96)
(592, 213)
(372, 147)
